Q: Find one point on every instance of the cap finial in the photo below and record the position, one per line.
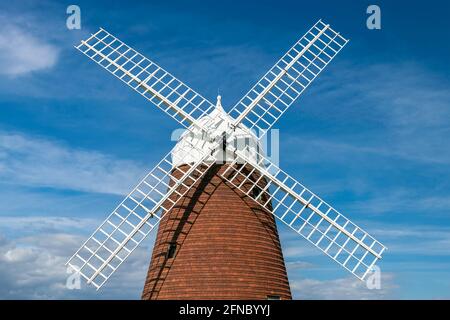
(219, 102)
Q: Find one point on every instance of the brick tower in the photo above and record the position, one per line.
(217, 243)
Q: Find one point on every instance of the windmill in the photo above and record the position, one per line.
(214, 198)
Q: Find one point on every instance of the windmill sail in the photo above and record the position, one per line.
(137, 215)
(306, 213)
(271, 96)
(147, 78)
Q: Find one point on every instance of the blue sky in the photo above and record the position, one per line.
(370, 135)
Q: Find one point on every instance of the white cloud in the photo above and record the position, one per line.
(423, 240)
(402, 201)
(390, 151)
(299, 247)
(28, 271)
(298, 264)
(416, 249)
(37, 162)
(45, 223)
(400, 239)
(342, 289)
(21, 52)
(33, 267)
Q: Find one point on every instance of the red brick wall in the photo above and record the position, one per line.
(227, 247)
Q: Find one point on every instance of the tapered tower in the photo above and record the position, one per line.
(217, 243)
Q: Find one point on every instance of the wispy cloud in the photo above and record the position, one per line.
(25, 224)
(38, 162)
(21, 52)
(342, 289)
(412, 249)
(379, 145)
(402, 201)
(423, 240)
(33, 266)
(401, 239)
(298, 265)
(397, 111)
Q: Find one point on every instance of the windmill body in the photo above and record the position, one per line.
(215, 196)
(217, 243)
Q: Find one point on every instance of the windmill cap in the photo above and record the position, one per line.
(217, 121)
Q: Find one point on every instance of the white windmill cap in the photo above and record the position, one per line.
(218, 120)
